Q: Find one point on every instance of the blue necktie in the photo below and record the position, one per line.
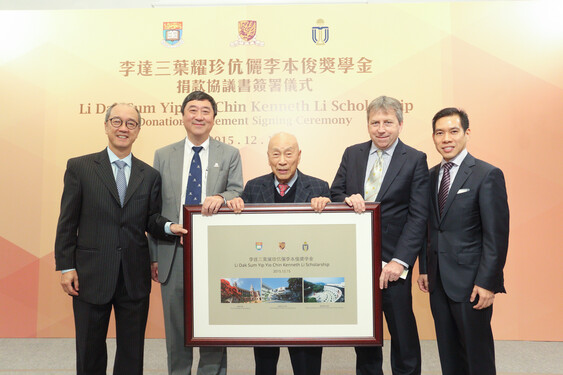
(120, 180)
(193, 190)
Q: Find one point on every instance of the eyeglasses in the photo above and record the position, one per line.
(116, 122)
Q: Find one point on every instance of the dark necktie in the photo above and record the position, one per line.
(120, 180)
(193, 190)
(444, 186)
(283, 188)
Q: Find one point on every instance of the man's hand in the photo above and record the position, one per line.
(211, 205)
(154, 272)
(178, 230)
(391, 272)
(423, 283)
(236, 204)
(486, 297)
(69, 282)
(319, 203)
(357, 202)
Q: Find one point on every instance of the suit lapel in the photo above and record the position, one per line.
(434, 191)
(135, 179)
(361, 172)
(301, 190)
(105, 173)
(267, 192)
(213, 168)
(397, 160)
(176, 171)
(461, 176)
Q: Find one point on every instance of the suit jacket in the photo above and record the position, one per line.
(470, 240)
(95, 235)
(224, 177)
(403, 197)
(262, 190)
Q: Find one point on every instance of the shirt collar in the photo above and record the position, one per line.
(457, 160)
(189, 144)
(113, 157)
(290, 183)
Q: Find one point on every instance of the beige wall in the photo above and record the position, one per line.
(500, 61)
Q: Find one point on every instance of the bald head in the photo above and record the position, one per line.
(283, 156)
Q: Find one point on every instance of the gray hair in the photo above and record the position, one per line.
(386, 104)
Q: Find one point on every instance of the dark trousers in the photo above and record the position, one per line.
(464, 335)
(91, 324)
(304, 360)
(405, 345)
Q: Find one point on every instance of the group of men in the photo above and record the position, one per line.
(453, 218)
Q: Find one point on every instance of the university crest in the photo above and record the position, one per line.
(247, 34)
(172, 33)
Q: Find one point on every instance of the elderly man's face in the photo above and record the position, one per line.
(121, 139)
(283, 156)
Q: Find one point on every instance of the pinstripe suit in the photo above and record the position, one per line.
(107, 245)
(304, 360)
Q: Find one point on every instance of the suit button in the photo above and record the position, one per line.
(118, 249)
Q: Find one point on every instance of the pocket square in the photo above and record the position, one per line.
(461, 191)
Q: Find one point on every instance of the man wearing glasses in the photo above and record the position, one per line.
(110, 199)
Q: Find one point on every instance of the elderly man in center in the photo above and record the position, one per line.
(286, 184)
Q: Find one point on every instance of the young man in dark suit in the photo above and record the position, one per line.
(386, 170)
(110, 199)
(463, 266)
(286, 184)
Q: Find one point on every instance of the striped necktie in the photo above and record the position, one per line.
(444, 186)
(120, 180)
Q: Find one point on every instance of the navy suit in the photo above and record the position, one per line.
(467, 246)
(404, 210)
(107, 245)
(304, 360)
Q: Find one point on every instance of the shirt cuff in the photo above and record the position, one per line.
(70, 269)
(401, 263)
(167, 228)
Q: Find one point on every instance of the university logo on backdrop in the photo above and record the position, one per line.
(320, 33)
(172, 33)
(247, 34)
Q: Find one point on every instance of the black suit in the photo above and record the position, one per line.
(467, 246)
(107, 245)
(404, 210)
(304, 360)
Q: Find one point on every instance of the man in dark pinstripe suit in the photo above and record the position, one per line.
(286, 184)
(101, 248)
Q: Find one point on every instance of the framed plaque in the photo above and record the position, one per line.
(283, 275)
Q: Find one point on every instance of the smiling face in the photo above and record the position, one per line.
(283, 156)
(198, 120)
(121, 139)
(449, 137)
(383, 128)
